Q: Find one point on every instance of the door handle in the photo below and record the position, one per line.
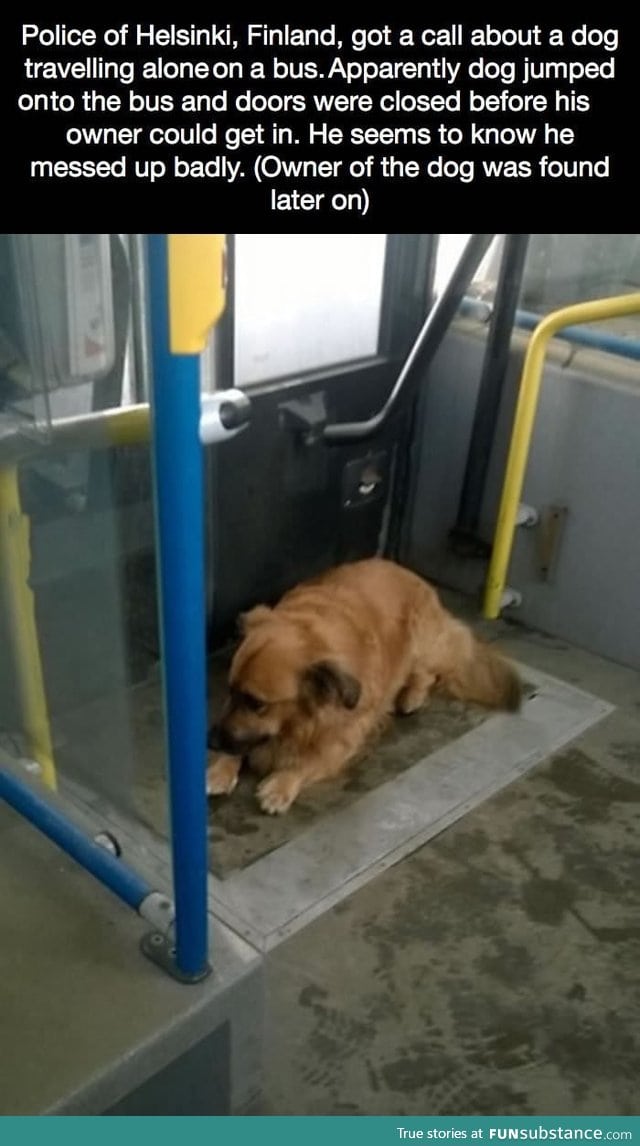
(306, 417)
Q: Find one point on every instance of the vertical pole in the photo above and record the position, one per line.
(15, 563)
(494, 366)
(178, 465)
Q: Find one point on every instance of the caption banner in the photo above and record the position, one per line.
(317, 118)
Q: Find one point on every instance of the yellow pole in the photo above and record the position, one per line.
(21, 620)
(523, 429)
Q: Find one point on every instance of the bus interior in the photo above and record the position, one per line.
(452, 926)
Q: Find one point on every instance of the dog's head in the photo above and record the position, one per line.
(280, 678)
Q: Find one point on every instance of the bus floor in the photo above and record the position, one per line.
(494, 970)
(491, 971)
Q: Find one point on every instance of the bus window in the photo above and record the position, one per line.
(304, 302)
(561, 270)
(450, 247)
(564, 269)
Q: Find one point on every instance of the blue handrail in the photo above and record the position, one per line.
(122, 880)
(583, 336)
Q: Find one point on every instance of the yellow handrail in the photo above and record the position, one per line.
(523, 429)
(21, 622)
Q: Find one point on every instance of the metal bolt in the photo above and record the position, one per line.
(109, 842)
(31, 766)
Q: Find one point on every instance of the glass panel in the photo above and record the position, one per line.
(565, 269)
(82, 538)
(561, 270)
(305, 302)
(450, 247)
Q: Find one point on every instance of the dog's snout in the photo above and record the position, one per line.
(214, 738)
(227, 741)
(237, 743)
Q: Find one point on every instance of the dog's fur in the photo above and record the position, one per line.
(315, 678)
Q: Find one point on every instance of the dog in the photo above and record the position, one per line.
(316, 677)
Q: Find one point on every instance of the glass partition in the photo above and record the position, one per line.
(79, 594)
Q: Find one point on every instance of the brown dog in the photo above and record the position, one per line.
(315, 678)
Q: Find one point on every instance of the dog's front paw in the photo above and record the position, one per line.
(277, 793)
(407, 703)
(222, 774)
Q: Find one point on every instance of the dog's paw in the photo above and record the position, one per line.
(277, 793)
(414, 695)
(407, 705)
(222, 774)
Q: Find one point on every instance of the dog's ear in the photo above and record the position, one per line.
(248, 621)
(327, 682)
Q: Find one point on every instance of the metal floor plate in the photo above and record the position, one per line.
(285, 890)
(342, 850)
(239, 832)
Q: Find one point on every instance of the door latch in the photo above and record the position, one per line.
(306, 417)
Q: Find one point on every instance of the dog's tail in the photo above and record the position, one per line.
(482, 675)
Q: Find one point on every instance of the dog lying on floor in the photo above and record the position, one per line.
(316, 677)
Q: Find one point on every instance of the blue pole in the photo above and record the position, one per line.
(585, 336)
(116, 875)
(178, 466)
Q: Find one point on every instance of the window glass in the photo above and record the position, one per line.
(561, 270)
(565, 269)
(450, 247)
(304, 302)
